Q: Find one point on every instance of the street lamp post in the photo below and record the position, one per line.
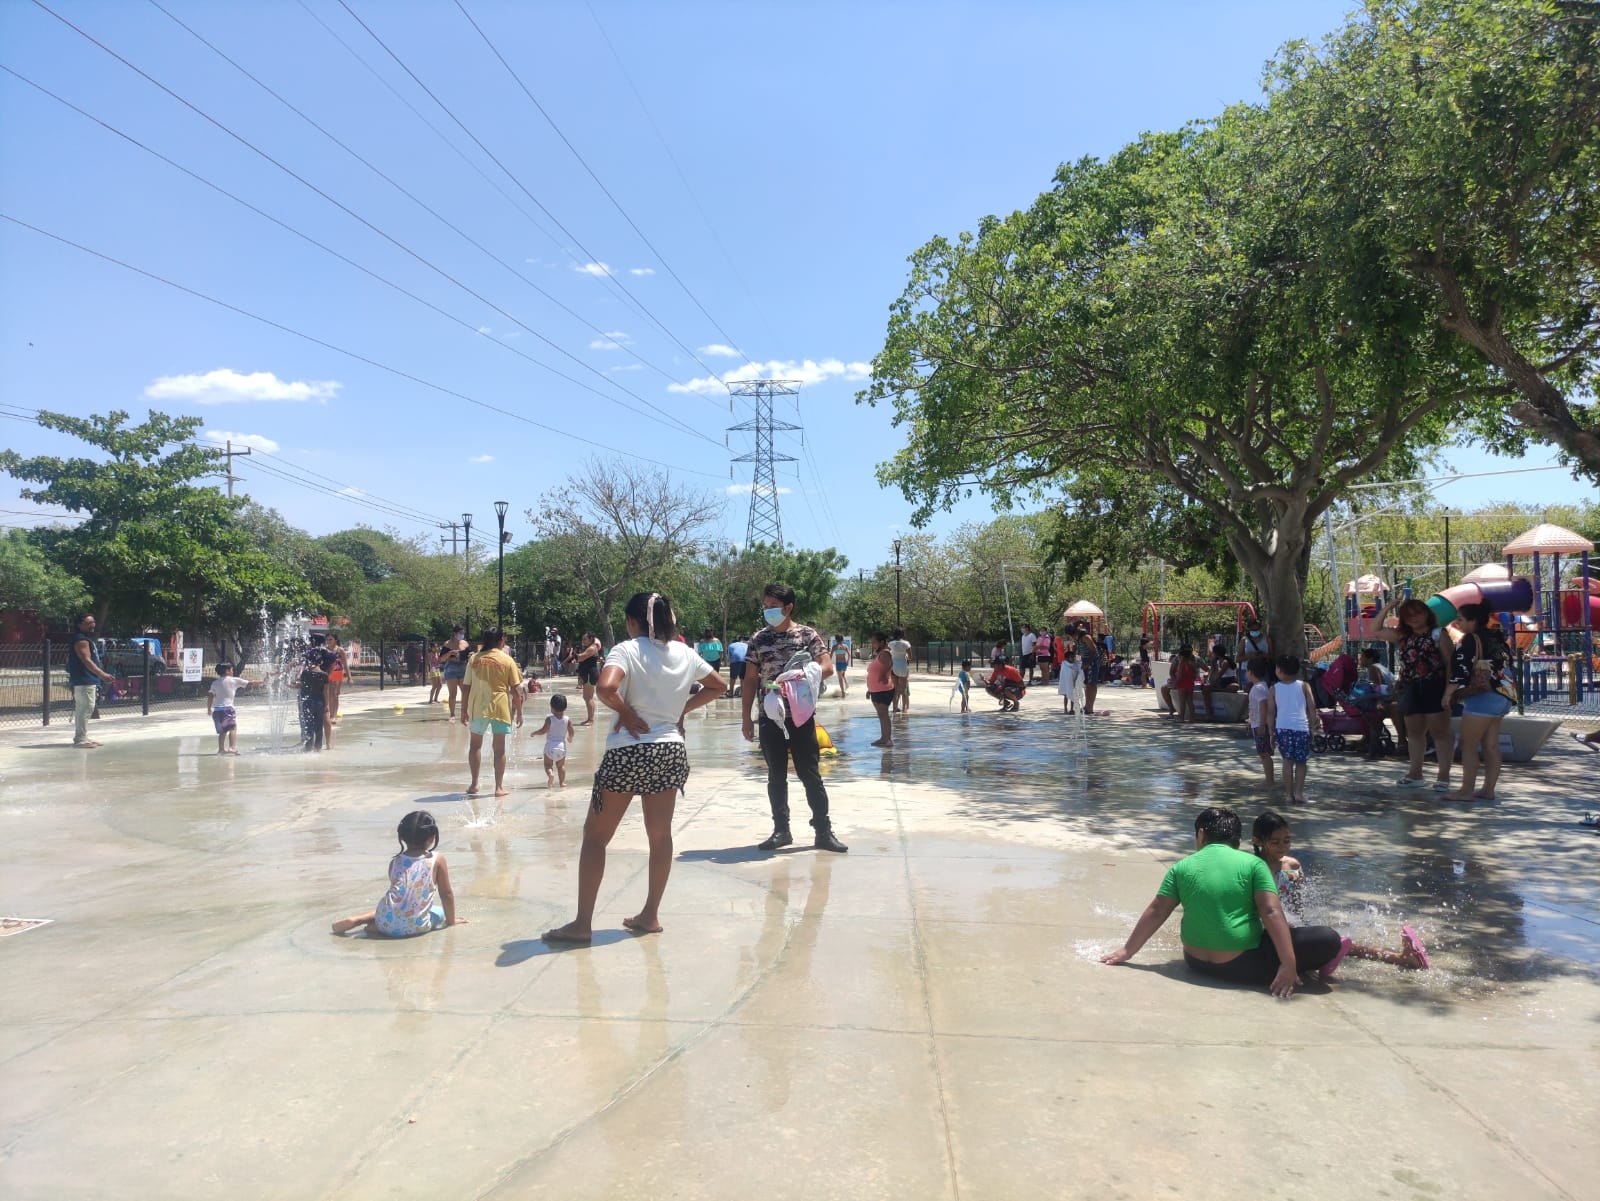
(897, 584)
(466, 559)
(500, 508)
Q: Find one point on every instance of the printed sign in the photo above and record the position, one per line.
(194, 662)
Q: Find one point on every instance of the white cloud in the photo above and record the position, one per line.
(720, 351)
(225, 386)
(351, 492)
(805, 371)
(614, 339)
(641, 270)
(626, 367)
(254, 441)
(601, 269)
(484, 329)
(481, 459)
(746, 489)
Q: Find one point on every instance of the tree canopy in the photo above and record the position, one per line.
(1227, 325)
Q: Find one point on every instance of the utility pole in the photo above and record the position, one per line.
(242, 452)
(764, 524)
(466, 557)
(452, 527)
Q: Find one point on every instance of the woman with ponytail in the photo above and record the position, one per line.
(647, 682)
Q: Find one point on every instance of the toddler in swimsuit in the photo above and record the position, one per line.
(557, 729)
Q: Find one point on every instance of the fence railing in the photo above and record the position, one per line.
(35, 691)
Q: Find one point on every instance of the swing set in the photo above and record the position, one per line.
(1243, 610)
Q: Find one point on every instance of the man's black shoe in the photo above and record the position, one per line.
(778, 838)
(827, 842)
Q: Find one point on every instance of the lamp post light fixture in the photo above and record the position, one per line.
(500, 508)
(897, 585)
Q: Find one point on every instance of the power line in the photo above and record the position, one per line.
(358, 357)
(615, 203)
(404, 191)
(295, 474)
(682, 175)
(282, 469)
(337, 203)
(675, 422)
(437, 132)
(605, 276)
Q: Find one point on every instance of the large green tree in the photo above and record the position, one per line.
(1460, 139)
(1183, 312)
(155, 546)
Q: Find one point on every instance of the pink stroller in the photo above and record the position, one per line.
(1344, 714)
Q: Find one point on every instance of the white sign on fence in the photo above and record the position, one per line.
(194, 662)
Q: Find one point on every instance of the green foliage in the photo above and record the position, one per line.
(616, 529)
(1457, 143)
(1224, 327)
(154, 547)
(30, 581)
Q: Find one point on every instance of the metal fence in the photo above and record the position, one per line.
(34, 690)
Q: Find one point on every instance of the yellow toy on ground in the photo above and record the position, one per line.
(825, 743)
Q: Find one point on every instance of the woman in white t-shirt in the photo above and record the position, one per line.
(647, 681)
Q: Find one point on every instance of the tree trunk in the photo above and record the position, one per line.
(1280, 579)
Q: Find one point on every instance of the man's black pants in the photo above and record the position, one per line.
(776, 750)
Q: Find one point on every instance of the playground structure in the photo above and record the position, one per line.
(1243, 610)
(1084, 610)
(1563, 654)
(1550, 622)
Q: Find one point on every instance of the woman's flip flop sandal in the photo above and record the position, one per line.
(1408, 936)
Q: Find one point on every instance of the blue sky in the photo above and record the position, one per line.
(821, 144)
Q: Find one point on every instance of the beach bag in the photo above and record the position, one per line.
(799, 691)
(1487, 674)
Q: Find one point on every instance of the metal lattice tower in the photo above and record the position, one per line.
(765, 524)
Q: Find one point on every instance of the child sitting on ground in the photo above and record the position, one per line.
(1258, 671)
(1291, 715)
(219, 706)
(1269, 838)
(557, 731)
(420, 898)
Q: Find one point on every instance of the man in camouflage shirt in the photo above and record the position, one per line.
(769, 653)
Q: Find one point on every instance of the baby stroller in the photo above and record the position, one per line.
(1336, 687)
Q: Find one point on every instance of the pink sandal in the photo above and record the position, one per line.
(1408, 936)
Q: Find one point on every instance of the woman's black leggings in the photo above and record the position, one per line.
(1314, 946)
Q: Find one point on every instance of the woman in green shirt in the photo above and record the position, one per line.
(1233, 925)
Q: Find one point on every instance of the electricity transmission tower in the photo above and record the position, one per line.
(765, 525)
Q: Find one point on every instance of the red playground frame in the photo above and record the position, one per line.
(1152, 617)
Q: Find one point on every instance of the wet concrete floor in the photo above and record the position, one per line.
(923, 1017)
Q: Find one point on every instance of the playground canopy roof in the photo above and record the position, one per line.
(1367, 584)
(1084, 608)
(1485, 573)
(1547, 539)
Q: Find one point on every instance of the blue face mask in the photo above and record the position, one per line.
(774, 616)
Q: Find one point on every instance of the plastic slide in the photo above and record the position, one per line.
(1572, 611)
(1502, 596)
